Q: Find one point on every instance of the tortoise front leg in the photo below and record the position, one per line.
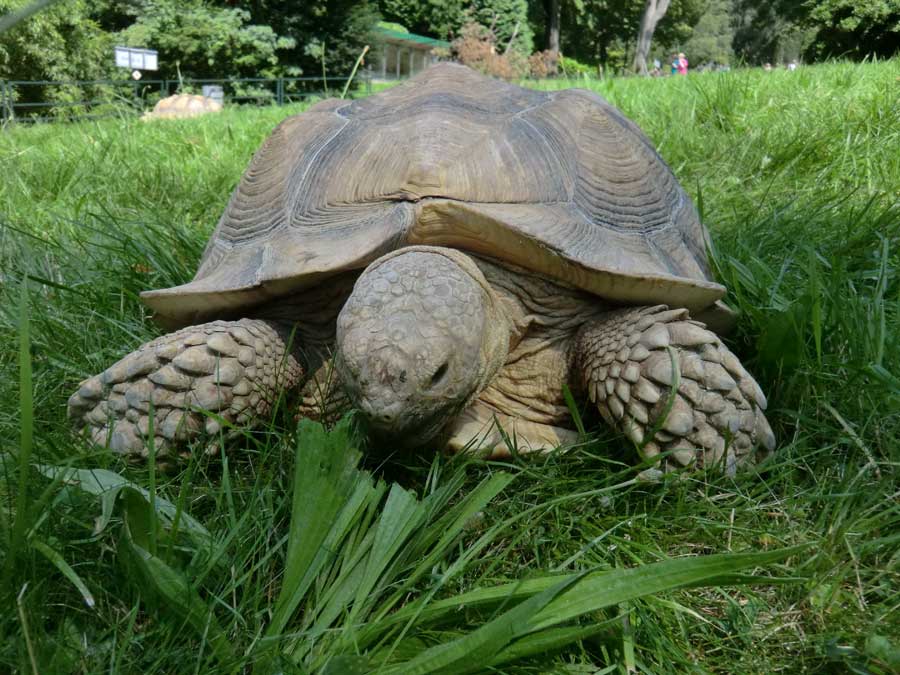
(234, 369)
(636, 364)
(323, 397)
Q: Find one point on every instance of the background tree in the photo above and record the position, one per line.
(61, 42)
(847, 28)
(654, 11)
(598, 31)
(199, 40)
(712, 37)
(342, 27)
(508, 20)
(767, 32)
(603, 31)
(554, 8)
(438, 18)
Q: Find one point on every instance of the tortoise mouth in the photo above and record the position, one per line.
(413, 433)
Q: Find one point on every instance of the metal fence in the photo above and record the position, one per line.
(72, 100)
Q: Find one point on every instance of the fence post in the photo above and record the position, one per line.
(279, 91)
(2, 101)
(368, 78)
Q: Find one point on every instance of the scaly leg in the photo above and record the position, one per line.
(232, 368)
(322, 397)
(625, 361)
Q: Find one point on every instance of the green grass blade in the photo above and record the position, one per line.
(470, 652)
(574, 411)
(450, 528)
(108, 485)
(603, 589)
(26, 433)
(66, 570)
(176, 594)
(545, 641)
(325, 478)
(611, 588)
(401, 514)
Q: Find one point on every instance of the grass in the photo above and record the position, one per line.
(797, 175)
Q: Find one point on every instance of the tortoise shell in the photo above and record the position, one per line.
(184, 105)
(559, 183)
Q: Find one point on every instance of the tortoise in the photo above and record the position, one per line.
(179, 106)
(450, 257)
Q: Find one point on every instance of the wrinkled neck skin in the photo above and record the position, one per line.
(308, 318)
(420, 337)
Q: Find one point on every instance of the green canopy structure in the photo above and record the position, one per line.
(401, 54)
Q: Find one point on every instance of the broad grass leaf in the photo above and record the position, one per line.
(602, 589)
(402, 513)
(472, 651)
(22, 510)
(609, 588)
(547, 640)
(54, 557)
(108, 485)
(449, 528)
(330, 493)
(173, 591)
(347, 665)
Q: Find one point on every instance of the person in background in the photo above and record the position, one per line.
(682, 64)
(674, 64)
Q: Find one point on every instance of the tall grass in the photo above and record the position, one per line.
(797, 175)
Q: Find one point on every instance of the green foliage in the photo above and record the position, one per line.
(849, 28)
(61, 42)
(796, 175)
(570, 67)
(508, 19)
(816, 29)
(712, 35)
(357, 549)
(438, 18)
(505, 18)
(390, 25)
(197, 39)
(342, 27)
(604, 31)
(763, 33)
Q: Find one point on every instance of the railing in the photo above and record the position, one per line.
(73, 100)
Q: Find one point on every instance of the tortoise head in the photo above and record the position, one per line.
(419, 337)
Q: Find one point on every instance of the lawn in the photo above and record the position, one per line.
(797, 175)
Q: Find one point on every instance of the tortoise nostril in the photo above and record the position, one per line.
(439, 374)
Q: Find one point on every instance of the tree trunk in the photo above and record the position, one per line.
(553, 26)
(654, 11)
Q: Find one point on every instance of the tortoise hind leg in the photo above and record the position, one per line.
(628, 361)
(232, 368)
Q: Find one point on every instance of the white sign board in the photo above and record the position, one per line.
(215, 92)
(123, 57)
(136, 59)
